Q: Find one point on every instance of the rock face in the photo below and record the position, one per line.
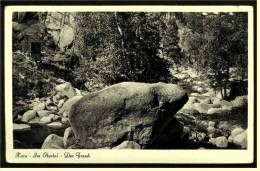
(138, 112)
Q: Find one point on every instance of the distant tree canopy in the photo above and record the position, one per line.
(122, 46)
(141, 46)
(214, 43)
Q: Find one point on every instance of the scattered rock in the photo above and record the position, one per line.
(68, 138)
(53, 141)
(191, 112)
(224, 125)
(240, 102)
(189, 106)
(66, 89)
(207, 101)
(30, 114)
(65, 114)
(43, 113)
(212, 141)
(54, 117)
(64, 120)
(237, 131)
(21, 127)
(39, 106)
(225, 104)
(193, 100)
(127, 145)
(55, 125)
(46, 119)
(202, 107)
(212, 111)
(241, 139)
(211, 124)
(48, 102)
(211, 130)
(221, 142)
(61, 102)
(52, 108)
(201, 136)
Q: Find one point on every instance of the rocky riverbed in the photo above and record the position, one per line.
(205, 121)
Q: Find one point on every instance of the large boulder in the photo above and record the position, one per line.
(133, 111)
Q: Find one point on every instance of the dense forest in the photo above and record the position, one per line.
(204, 53)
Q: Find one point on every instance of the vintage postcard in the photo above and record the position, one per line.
(135, 84)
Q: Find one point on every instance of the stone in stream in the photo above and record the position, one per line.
(241, 139)
(66, 89)
(48, 102)
(21, 127)
(46, 119)
(202, 107)
(127, 145)
(237, 131)
(211, 130)
(139, 110)
(54, 117)
(224, 125)
(221, 142)
(43, 113)
(211, 123)
(53, 141)
(39, 106)
(61, 102)
(225, 104)
(27, 116)
(212, 111)
(64, 120)
(240, 102)
(55, 125)
(189, 106)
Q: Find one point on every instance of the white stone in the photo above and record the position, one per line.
(66, 89)
(201, 136)
(21, 127)
(221, 142)
(64, 120)
(212, 141)
(212, 111)
(223, 125)
(241, 139)
(55, 125)
(237, 131)
(27, 116)
(61, 102)
(43, 113)
(48, 102)
(46, 119)
(53, 141)
(202, 107)
(211, 124)
(128, 145)
(211, 130)
(68, 137)
(39, 106)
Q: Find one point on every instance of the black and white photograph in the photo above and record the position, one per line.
(131, 81)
